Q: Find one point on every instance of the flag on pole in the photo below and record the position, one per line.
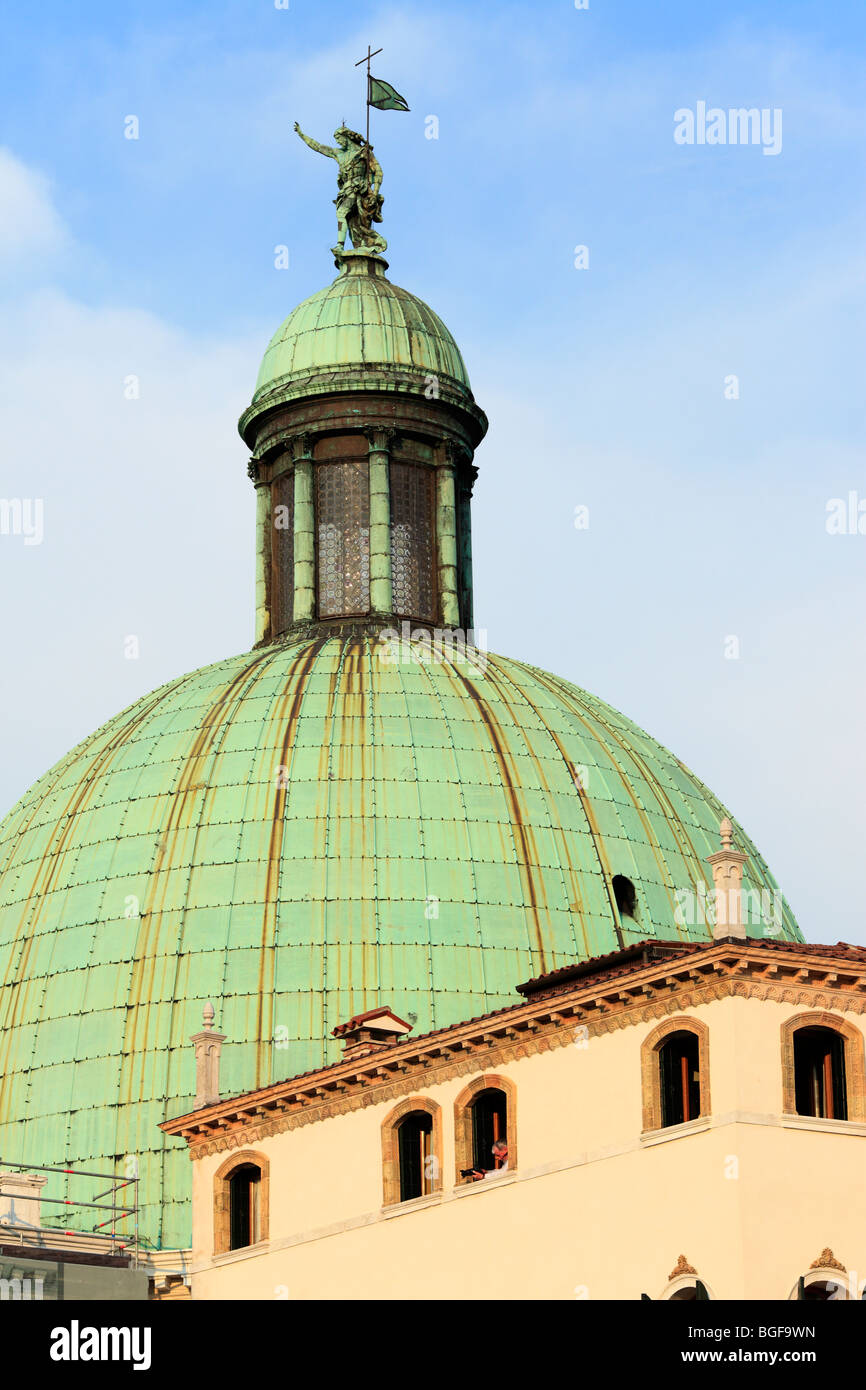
(383, 96)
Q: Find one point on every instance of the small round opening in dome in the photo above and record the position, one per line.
(626, 896)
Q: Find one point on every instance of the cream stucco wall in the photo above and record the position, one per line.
(594, 1209)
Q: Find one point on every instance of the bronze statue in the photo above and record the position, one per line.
(358, 200)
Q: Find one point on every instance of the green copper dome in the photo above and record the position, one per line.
(300, 833)
(357, 326)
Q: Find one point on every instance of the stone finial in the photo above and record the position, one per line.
(682, 1266)
(727, 865)
(208, 1045)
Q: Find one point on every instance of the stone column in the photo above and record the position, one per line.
(727, 864)
(381, 592)
(305, 531)
(263, 553)
(464, 559)
(208, 1045)
(446, 541)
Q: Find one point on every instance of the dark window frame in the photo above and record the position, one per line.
(820, 1078)
(489, 1124)
(244, 1192)
(679, 1063)
(414, 1149)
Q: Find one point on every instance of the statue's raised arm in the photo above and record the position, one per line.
(314, 144)
(359, 201)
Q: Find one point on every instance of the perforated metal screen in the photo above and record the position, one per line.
(412, 548)
(343, 531)
(282, 551)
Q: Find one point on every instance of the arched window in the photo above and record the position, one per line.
(680, 1079)
(241, 1202)
(414, 1145)
(489, 1129)
(675, 1073)
(690, 1293)
(826, 1280)
(823, 1069)
(412, 1151)
(485, 1131)
(244, 1206)
(684, 1286)
(819, 1073)
(821, 1290)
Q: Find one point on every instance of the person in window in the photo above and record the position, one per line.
(499, 1150)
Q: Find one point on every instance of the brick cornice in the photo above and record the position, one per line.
(620, 999)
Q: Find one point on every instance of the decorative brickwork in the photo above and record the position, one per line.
(391, 1147)
(855, 1067)
(651, 1071)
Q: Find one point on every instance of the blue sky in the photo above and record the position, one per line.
(604, 386)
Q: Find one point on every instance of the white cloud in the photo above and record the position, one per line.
(30, 224)
(148, 516)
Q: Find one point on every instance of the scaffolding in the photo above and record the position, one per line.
(116, 1242)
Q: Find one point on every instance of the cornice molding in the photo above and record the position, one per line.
(633, 998)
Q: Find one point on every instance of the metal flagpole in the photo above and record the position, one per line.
(357, 65)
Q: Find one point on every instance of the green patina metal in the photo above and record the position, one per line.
(427, 846)
(359, 179)
(344, 335)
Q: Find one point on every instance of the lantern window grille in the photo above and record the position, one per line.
(343, 533)
(283, 551)
(412, 541)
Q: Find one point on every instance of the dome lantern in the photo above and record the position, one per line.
(363, 429)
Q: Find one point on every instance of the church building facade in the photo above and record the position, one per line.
(669, 1121)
